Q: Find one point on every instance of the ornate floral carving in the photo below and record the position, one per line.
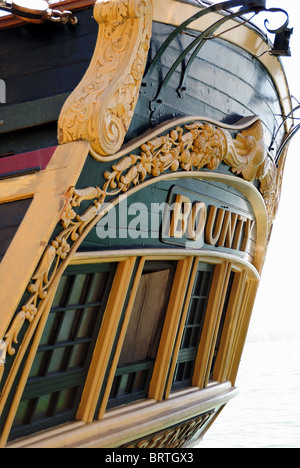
(176, 437)
(196, 146)
(248, 153)
(57, 251)
(102, 106)
(185, 148)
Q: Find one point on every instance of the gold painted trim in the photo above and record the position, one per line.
(122, 335)
(130, 422)
(238, 263)
(101, 107)
(229, 330)
(211, 321)
(168, 337)
(106, 337)
(167, 126)
(181, 328)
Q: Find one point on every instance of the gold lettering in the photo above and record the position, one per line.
(221, 227)
(228, 230)
(248, 229)
(213, 227)
(180, 216)
(238, 232)
(198, 217)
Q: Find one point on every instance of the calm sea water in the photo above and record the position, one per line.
(266, 413)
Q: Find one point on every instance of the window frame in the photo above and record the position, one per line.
(47, 384)
(118, 311)
(190, 352)
(134, 374)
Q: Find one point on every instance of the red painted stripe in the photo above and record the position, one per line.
(26, 161)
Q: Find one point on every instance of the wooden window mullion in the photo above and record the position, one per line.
(212, 319)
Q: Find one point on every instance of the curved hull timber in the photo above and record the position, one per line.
(136, 207)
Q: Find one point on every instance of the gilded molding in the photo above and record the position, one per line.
(176, 437)
(186, 148)
(196, 146)
(101, 108)
(56, 252)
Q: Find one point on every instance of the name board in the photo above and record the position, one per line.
(196, 221)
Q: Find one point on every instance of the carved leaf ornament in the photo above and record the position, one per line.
(188, 148)
(102, 106)
(100, 111)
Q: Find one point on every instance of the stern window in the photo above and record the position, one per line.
(143, 334)
(58, 373)
(193, 327)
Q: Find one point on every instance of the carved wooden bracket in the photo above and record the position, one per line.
(185, 148)
(102, 106)
(188, 146)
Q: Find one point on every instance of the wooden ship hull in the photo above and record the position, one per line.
(138, 186)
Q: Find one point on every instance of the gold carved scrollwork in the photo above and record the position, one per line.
(185, 148)
(196, 146)
(175, 437)
(102, 106)
(56, 252)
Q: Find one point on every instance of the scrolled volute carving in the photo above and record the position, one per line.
(247, 152)
(101, 108)
(192, 147)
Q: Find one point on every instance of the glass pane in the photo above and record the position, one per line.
(77, 289)
(198, 284)
(57, 360)
(87, 322)
(98, 287)
(43, 407)
(66, 399)
(194, 305)
(37, 366)
(49, 328)
(20, 417)
(67, 325)
(78, 357)
(59, 296)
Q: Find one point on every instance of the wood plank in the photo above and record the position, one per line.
(22, 162)
(38, 61)
(29, 114)
(224, 82)
(145, 325)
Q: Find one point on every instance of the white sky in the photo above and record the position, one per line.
(277, 306)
